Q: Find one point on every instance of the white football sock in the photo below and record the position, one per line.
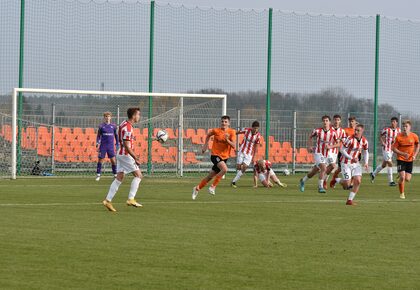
(238, 176)
(390, 177)
(351, 195)
(305, 178)
(326, 178)
(320, 183)
(113, 189)
(377, 170)
(134, 187)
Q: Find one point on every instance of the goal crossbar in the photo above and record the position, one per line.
(17, 91)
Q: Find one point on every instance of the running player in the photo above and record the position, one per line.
(247, 149)
(334, 155)
(266, 174)
(406, 146)
(105, 144)
(351, 168)
(224, 139)
(127, 161)
(326, 139)
(388, 135)
(349, 131)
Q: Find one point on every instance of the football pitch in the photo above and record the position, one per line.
(55, 234)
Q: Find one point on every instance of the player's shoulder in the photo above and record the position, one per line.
(231, 131)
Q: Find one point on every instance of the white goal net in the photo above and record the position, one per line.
(55, 130)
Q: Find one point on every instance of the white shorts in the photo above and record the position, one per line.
(265, 176)
(126, 164)
(319, 159)
(244, 158)
(387, 155)
(350, 170)
(332, 158)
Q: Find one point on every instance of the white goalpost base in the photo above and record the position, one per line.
(181, 96)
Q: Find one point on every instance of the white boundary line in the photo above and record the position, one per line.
(378, 201)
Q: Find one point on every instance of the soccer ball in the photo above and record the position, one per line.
(162, 136)
(286, 172)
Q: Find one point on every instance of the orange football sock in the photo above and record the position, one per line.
(401, 186)
(216, 180)
(202, 184)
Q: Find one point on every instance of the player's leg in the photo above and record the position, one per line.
(111, 156)
(321, 177)
(345, 181)
(222, 166)
(405, 170)
(204, 181)
(264, 180)
(112, 191)
(272, 175)
(357, 180)
(331, 168)
(101, 156)
(241, 166)
(308, 176)
(135, 183)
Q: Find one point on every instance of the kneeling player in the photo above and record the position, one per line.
(264, 172)
(224, 139)
(247, 150)
(406, 146)
(351, 169)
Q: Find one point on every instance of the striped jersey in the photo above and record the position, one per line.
(267, 167)
(250, 140)
(324, 138)
(390, 134)
(125, 133)
(341, 134)
(354, 147)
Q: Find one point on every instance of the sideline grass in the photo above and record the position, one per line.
(55, 234)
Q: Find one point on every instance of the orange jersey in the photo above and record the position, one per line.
(220, 146)
(349, 131)
(406, 144)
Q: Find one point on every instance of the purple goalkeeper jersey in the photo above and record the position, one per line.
(107, 133)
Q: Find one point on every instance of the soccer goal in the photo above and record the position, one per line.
(55, 130)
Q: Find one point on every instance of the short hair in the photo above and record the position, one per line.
(131, 112)
(394, 119)
(326, 117)
(352, 118)
(360, 126)
(255, 124)
(337, 116)
(225, 117)
(107, 114)
(407, 122)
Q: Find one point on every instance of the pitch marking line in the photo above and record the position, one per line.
(379, 201)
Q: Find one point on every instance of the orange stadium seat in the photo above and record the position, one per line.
(89, 131)
(189, 133)
(171, 133)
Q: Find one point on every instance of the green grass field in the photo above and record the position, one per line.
(55, 234)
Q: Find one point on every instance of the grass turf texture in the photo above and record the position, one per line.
(55, 234)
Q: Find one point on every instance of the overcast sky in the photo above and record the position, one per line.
(405, 9)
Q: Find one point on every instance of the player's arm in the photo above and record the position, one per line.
(383, 139)
(117, 142)
(416, 151)
(395, 147)
(309, 143)
(206, 142)
(345, 154)
(366, 158)
(98, 137)
(231, 140)
(127, 147)
(255, 179)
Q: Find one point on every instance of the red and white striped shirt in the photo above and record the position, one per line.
(267, 167)
(125, 133)
(250, 140)
(390, 134)
(353, 147)
(341, 134)
(324, 138)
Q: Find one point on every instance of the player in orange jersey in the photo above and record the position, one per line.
(349, 131)
(406, 146)
(224, 139)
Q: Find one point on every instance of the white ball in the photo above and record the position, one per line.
(286, 172)
(162, 136)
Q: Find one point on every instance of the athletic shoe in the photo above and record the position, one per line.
(392, 183)
(372, 177)
(108, 205)
(233, 184)
(194, 193)
(98, 178)
(325, 184)
(333, 183)
(402, 195)
(133, 202)
(284, 185)
(350, 202)
(212, 190)
(322, 190)
(302, 185)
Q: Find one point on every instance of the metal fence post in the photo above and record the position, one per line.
(375, 109)
(268, 97)
(52, 137)
(238, 128)
(118, 115)
(149, 125)
(294, 142)
(20, 102)
(181, 138)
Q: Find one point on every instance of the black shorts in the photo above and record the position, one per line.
(405, 166)
(216, 160)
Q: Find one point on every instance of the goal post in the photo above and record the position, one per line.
(206, 110)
